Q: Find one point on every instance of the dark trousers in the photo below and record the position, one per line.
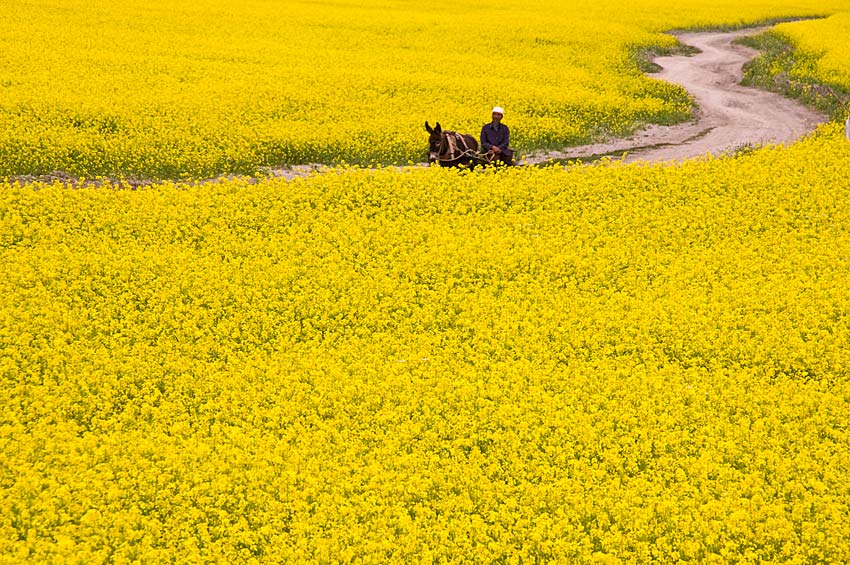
(506, 156)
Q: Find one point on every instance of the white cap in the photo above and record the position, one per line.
(498, 110)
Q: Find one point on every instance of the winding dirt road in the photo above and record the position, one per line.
(729, 116)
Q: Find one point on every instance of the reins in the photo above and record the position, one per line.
(453, 139)
(468, 153)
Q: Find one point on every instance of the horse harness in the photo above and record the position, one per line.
(453, 147)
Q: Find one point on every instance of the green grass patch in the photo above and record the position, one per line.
(644, 58)
(789, 71)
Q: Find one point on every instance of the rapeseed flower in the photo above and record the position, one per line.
(601, 364)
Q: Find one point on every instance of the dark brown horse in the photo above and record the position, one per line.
(453, 149)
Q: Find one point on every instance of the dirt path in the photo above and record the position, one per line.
(729, 116)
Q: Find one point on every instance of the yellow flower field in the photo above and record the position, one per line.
(607, 364)
(827, 40)
(597, 364)
(183, 89)
(806, 60)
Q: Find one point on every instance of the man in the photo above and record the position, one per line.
(496, 139)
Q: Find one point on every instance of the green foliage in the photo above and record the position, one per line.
(785, 69)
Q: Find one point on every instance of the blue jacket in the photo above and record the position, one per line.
(491, 135)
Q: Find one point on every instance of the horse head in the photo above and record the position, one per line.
(435, 139)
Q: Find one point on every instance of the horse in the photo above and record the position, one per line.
(453, 149)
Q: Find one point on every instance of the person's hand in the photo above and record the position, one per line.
(496, 150)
